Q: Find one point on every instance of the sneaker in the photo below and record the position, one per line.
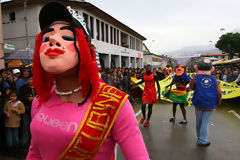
(205, 144)
(183, 122)
(172, 120)
(146, 124)
(142, 120)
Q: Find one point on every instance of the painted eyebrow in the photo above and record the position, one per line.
(67, 27)
(47, 30)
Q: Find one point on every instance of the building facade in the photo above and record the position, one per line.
(157, 61)
(116, 43)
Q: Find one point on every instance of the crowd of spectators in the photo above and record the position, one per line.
(228, 72)
(16, 95)
(121, 77)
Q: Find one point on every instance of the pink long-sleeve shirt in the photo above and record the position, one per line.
(55, 123)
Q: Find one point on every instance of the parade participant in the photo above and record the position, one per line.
(207, 94)
(179, 94)
(79, 117)
(149, 96)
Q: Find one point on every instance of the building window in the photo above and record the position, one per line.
(106, 26)
(98, 29)
(92, 26)
(137, 45)
(85, 17)
(118, 37)
(124, 40)
(140, 46)
(102, 28)
(12, 16)
(130, 42)
(114, 35)
(133, 43)
(111, 34)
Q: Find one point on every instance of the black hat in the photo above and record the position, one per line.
(54, 11)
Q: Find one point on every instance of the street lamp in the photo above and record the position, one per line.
(222, 30)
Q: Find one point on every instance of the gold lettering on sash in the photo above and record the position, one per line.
(111, 97)
(96, 125)
(100, 126)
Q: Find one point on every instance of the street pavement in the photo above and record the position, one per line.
(174, 141)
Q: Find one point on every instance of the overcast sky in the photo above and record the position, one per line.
(171, 25)
(174, 24)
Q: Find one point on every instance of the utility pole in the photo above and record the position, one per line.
(1, 40)
(25, 20)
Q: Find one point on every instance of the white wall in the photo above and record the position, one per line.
(15, 32)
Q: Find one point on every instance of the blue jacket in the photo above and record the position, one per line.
(205, 94)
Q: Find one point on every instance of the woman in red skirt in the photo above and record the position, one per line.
(149, 95)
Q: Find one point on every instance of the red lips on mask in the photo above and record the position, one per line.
(54, 52)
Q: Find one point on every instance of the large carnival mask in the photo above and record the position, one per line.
(57, 51)
(148, 69)
(204, 66)
(180, 69)
(63, 47)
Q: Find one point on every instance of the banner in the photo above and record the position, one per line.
(229, 90)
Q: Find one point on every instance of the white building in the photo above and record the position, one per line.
(117, 44)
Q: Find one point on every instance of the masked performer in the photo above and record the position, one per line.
(207, 94)
(78, 118)
(149, 96)
(179, 94)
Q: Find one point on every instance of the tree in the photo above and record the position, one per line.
(229, 43)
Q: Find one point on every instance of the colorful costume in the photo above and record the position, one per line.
(179, 94)
(55, 123)
(207, 94)
(79, 117)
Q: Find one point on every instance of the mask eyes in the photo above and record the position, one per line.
(68, 38)
(46, 39)
(180, 66)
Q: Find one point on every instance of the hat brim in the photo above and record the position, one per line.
(54, 11)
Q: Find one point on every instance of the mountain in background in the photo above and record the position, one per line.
(199, 49)
(193, 50)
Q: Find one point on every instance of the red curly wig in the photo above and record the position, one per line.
(88, 69)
